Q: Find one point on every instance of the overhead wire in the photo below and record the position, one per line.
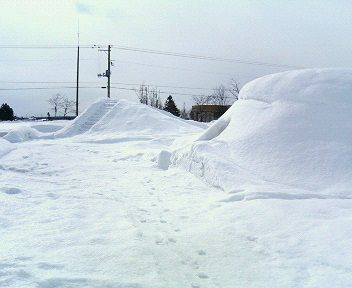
(113, 87)
(96, 82)
(156, 52)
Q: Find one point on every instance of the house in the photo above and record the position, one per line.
(208, 113)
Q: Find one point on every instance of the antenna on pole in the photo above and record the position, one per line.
(77, 79)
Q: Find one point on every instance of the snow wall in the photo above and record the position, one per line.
(288, 130)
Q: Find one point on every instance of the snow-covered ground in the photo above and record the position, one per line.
(96, 204)
(41, 126)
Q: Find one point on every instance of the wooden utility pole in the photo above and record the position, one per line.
(77, 80)
(107, 72)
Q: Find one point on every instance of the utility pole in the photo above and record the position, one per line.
(77, 78)
(107, 72)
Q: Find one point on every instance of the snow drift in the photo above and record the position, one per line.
(122, 116)
(5, 147)
(290, 129)
(21, 134)
(138, 118)
(110, 119)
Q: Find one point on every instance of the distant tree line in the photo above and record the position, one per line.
(151, 96)
(221, 95)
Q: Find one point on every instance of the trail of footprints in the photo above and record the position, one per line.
(166, 239)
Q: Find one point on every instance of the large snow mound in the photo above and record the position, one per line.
(133, 117)
(287, 130)
(106, 117)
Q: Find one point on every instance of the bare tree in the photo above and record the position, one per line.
(143, 93)
(184, 114)
(234, 89)
(202, 100)
(219, 96)
(154, 98)
(149, 96)
(56, 101)
(67, 106)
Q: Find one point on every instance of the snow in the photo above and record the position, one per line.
(97, 203)
(21, 134)
(41, 126)
(164, 159)
(290, 130)
(123, 116)
(46, 128)
(19, 131)
(135, 118)
(5, 147)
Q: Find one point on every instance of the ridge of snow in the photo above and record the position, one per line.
(290, 129)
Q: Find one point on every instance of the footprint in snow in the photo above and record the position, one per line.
(49, 266)
(201, 252)
(159, 242)
(202, 275)
(52, 195)
(10, 191)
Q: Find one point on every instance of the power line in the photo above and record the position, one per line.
(44, 46)
(116, 83)
(44, 60)
(202, 57)
(157, 52)
(96, 87)
(42, 88)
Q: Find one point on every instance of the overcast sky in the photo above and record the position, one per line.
(298, 33)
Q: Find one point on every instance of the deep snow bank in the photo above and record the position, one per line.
(138, 118)
(21, 131)
(114, 117)
(5, 147)
(111, 119)
(292, 129)
(21, 134)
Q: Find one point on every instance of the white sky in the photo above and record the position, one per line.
(299, 33)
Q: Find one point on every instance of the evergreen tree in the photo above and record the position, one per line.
(6, 113)
(171, 107)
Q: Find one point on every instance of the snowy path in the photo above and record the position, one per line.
(79, 214)
(96, 215)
